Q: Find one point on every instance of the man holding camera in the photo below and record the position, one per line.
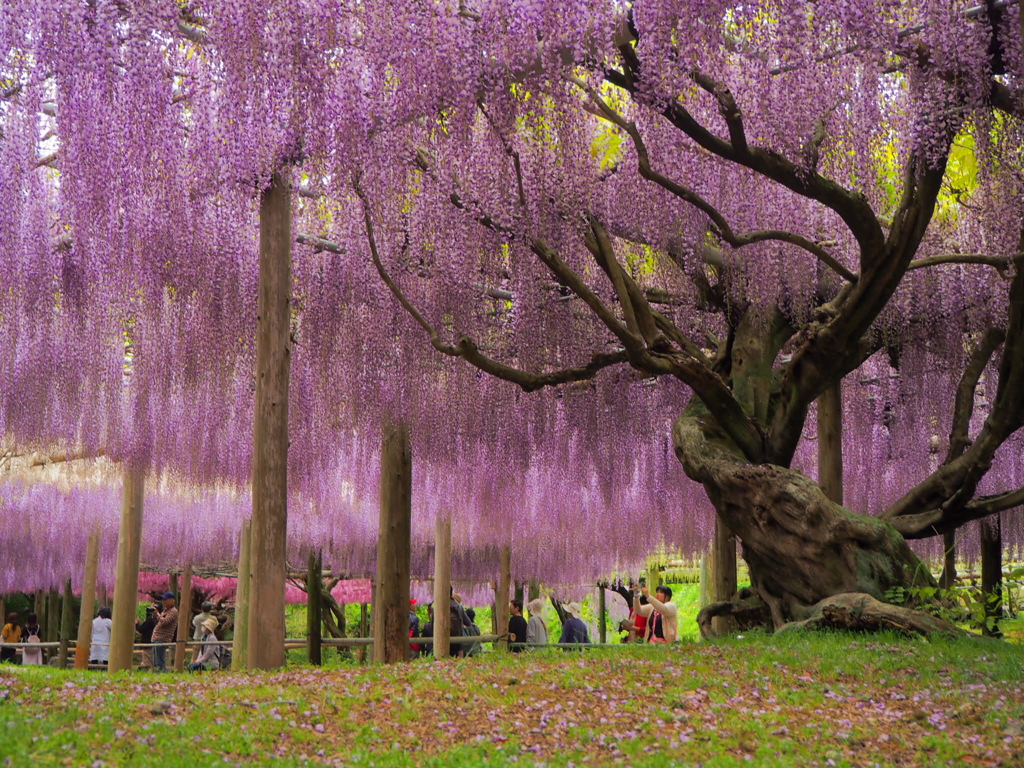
(660, 612)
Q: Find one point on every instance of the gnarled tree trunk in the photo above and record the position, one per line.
(800, 547)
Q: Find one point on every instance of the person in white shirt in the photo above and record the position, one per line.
(661, 614)
(99, 648)
(197, 622)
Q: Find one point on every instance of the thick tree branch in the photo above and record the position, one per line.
(688, 195)
(963, 407)
(851, 206)
(467, 349)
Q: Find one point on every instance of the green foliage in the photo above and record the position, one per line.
(964, 605)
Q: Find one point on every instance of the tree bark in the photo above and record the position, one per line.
(314, 583)
(992, 573)
(948, 560)
(92, 556)
(501, 595)
(723, 577)
(66, 617)
(442, 584)
(240, 646)
(184, 619)
(860, 612)
(270, 431)
(394, 548)
(800, 546)
(126, 584)
(830, 443)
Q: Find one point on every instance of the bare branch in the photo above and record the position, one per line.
(320, 244)
(1001, 263)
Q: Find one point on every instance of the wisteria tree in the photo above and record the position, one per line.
(755, 200)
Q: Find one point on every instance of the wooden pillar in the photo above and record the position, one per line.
(126, 593)
(314, 582)
(723, 574)
(53, 611)
(66, 616)
(92, 556)
(948, 579)
(602, 630)
(992, 573)
(240, 645)
(518, 592)
(442, 587)
(104, 595)
(184, 619)
(394, 548)
(501, 595)
(270, 431)
(830, 442)
(39, 609)
(172, 587)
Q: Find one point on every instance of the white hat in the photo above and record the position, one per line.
(574, 610)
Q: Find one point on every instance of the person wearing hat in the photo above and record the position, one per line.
(163, 632)
(145, 630)
(197, 621)
(210, 656)
(574, 631)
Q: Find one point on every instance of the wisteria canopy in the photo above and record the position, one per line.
(602, 256)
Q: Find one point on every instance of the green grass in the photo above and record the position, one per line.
(791, 700)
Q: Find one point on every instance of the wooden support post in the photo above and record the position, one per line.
(104, 595)
(66, 616)
(518, 592)
(442, 587)
(602, 630)
(314, 584)
(723, 571)
(534, 590)
(240, 646)
(270, 431)
(501, 595)
(992, 573)
(948, 560)
(394, 548)
(830, 442)
(39, 609)
(126, 579)
(50, 623)
(184, 619)
(172, 587)
(92, 556)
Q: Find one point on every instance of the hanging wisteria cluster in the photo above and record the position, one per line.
(135, 137)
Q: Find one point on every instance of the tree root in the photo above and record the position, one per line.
(749, 611)
(858, 611)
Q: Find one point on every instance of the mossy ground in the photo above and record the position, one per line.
(775, 701)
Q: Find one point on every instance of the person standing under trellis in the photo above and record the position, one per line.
(163, 632)
(11, 633)
(102, 628)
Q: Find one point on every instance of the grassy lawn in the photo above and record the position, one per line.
(791, 700)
